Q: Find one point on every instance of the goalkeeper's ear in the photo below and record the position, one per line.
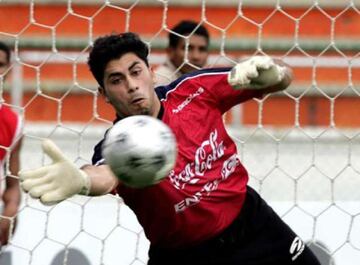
(102, 92)
(153, 75)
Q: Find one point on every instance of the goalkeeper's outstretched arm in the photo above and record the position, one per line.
(261, 73)
(102, 179)
(63, 179)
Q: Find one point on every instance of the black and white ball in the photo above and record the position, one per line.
(140, 150)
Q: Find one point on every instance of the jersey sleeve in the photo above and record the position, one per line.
(225, 96)
(97, 158)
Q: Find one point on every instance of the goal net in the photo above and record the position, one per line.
(300, 146)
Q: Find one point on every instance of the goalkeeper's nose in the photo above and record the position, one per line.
(132, 85)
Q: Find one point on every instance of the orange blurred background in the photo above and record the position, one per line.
(320, 95)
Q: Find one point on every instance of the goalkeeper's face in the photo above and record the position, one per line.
(129, 86)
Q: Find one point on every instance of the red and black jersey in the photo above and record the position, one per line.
(205, 191)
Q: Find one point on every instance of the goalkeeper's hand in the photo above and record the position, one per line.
(258, 72)
(56, 182)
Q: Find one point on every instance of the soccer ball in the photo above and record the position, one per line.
(140, 150)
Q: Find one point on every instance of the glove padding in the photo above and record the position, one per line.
(256, 73)
(56, 182)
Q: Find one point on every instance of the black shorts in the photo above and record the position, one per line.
(257, 236)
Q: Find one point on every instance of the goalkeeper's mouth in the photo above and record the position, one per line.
(137, 101)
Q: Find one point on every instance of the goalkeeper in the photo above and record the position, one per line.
(203, 212)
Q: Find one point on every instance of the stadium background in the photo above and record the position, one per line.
(306, 138)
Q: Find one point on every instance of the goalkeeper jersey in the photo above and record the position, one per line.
(205, 191)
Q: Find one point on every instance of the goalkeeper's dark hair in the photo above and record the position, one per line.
(112, 47)
(185, 28)
(6, 49)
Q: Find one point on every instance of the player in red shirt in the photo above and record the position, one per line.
(10, 129)
(203, 212)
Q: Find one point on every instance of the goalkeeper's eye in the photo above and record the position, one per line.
(136, 72)
(115, 81)
(115, 78)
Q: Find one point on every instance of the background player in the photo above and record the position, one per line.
(10, 129)
(203, 212)
(198, 52)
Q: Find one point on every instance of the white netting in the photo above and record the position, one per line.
(301, 146)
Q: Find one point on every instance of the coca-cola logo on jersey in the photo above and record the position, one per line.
(229, 166)
(209, 151)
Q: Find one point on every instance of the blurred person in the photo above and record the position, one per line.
(198, 51)
(203, 212)
(10, 145)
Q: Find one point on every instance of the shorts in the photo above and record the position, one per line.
(257, 236)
